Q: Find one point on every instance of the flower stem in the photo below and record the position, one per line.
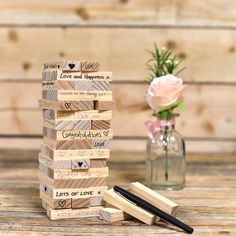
(166, 154)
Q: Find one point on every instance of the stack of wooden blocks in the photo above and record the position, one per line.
(77, 110)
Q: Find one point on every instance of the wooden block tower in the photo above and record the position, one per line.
(77, 110)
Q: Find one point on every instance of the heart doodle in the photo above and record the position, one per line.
(105, 133)
(80, 163)
(100, 153)
(61, 154)
(62, 203)
(81, 153)
(71, 65)
(67, 105)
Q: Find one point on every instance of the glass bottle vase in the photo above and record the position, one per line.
(165, 163)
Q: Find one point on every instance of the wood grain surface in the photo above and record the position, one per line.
(205, 56)
(207, 203)
(149, 13)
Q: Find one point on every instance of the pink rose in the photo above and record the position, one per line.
(164, 91)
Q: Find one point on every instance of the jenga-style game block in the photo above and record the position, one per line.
(154, 198)
(112, 214)
(143, 192)
(120, 202)
(76, 134)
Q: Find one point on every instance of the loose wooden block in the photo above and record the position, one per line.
(66, 105)
(53, 116)
(74, 154)
(100, 124)
(66, 65)
(101, 86)
(77, 134)
(154, 198)
(67, 124)
(81, 203)
(76, 95)
(112, 214)
(104, 105)
(76, 144)
(74, 193)
(73, 213)
(80, 164)
(90, 66)
(71, 164)
(120, 202)
(55, 204)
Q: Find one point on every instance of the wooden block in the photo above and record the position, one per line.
(73, 144)
(72, 183)
(66, 65)
(48, 84)
(66, 105)
(50, 114)
(100, 143)
(73, 213)
(76, 95)
(54, 116)
(154, 198)
(50, 77)
(88, 202)
(83, 85)
(74, 193)
(67, 124)
(70, 174)
(100, 124)
(71, 164)
(77, 134)
(76, 144)
(104, 105)
(74, 154)
(81, 203)
(82, 164)
(118, 201)
(112, 214)
(90, 66)
(101, 86)
(44, 205)
(97, 201)
(55, 203)
(97, 76)
(45, 170)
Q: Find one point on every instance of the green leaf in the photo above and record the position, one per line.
(181, 106)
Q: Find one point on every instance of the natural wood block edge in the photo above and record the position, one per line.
(112, 214)
(154, 198)
(73, 213)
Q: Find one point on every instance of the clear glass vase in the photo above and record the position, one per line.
(165, 163)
